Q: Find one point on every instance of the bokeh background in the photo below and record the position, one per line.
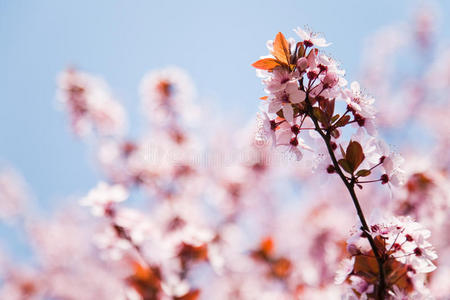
(215, 41)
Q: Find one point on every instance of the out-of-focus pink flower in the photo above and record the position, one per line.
(344, 270)
(13, 194)
(90, 104)
(167, 96)
(103, 196)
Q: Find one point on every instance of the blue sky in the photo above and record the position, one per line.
(215, 41)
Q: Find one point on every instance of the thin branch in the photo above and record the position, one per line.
(350, 187)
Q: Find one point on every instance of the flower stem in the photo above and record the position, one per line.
(381, 291)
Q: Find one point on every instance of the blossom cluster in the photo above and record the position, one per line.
(177, 216)
(407, 255)
(302, 81)
(303, 85)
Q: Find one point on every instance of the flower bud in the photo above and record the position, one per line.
(295, 129)
(330, 169)
(384, 178)
(294, 142)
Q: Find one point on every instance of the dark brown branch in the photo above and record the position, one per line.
(381, 292)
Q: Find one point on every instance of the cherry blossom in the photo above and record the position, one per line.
(283, 100)
(102, 197)
(221, 209)
(90, 104)
(311, 39)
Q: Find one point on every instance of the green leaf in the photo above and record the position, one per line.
(363, 173)
(354, 155)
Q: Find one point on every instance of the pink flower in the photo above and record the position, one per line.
(331, 76)
(398, 294)
(345, 268)
(103, 196)
(167, 95)
(289, 143)
(265, 131)
(360, 103)
(13, 194)
(311, 38)
(302, 64)
(90, 104)
(284, 99)
(361, 286)
(278, 81)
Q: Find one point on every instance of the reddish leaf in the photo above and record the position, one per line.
(281, 267)
(342, 121)
(192, 295)
(266, 64)
(367, 267)
(354, 155)
(342, 150)
(267, 245)
(281, 49)
(345, 165)
(329, 108)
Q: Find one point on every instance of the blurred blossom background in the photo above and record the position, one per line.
(215, 42)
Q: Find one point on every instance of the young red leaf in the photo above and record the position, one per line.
(345, 165)
(266, 64)
(342, 150)
(354, 155)
(281, 49)
(342, 121)
(329, 109)
(192, 295)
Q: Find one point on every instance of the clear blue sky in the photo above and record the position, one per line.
(215, 41)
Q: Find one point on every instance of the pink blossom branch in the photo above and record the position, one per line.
(350, 185)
